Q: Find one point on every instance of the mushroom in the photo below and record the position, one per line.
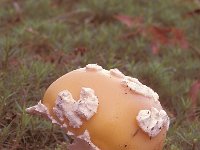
(105, 110)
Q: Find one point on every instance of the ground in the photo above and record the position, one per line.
(154, 40)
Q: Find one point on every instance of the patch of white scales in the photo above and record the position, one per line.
(64, 126)
(82, 142)
(73, 111)
(139, 88)
(132, 83)
(41, 109)
(152, 121)
(93, 67)
(117, 73)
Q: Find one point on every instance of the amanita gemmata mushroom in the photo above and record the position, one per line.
(105, 110)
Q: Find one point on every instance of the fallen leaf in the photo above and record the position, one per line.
(192, 13)
(166, 36)
(179, 38)
(193, 95)
(129, 21)
(194, 91)
(159, 34)
(80, 50)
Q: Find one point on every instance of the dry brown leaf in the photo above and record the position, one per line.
(179, 38)
(158, 35)
(167, 37)
(194, 91)
(129, 21)
(192, 13)
(193, 95)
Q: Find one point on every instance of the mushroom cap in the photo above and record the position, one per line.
(114, 126)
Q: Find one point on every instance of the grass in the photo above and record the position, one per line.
(40, 41)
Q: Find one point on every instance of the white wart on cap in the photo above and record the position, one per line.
(152, 121)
